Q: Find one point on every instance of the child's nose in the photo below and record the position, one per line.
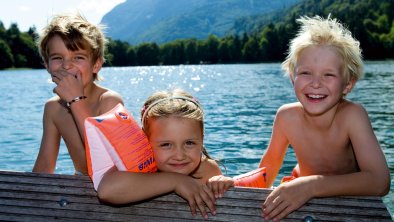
(67, 64)
(179, 153)
(316, 82)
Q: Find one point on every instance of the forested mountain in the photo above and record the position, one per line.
(370, 21)
(161, 21)
(256, 38)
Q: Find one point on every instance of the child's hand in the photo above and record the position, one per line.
(286, 198)
(69, 84)
(220, 184)
(197, 194)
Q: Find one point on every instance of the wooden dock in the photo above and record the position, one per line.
(45, 197)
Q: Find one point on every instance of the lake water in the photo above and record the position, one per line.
(240, 102)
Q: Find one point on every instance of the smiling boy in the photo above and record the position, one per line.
(332, 137)
(72, 50)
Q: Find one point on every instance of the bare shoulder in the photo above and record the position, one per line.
(209, 168)
(108, 99)
(108, 94)
(351, 110)
(290, 107)
(289, 110)
(52, 105)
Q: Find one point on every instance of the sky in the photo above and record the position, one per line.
(38, 13)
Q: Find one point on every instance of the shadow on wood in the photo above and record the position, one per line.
(51, 197)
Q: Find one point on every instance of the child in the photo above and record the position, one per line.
(173, 123)
(73, 53)
(336, 148)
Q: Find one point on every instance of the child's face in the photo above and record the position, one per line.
(318, 81)
(177, 144)
(60, 59)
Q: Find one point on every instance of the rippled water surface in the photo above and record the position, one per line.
(240, 102)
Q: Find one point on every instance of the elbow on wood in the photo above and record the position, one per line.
(112, 195)
(104, 194)
(382, 188)
(386, 189)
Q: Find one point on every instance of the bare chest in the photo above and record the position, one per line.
(323, 152)
(68, 130)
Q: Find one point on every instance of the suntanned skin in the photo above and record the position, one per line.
(336, 148)
(72, 72)
(177, 144)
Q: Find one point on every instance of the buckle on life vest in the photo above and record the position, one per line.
(124, 117)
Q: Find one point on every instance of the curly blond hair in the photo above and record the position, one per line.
(317, 31)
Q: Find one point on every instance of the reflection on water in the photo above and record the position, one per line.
(240, 102)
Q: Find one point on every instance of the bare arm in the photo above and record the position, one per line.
(70, 86)
(276, 150)
(373, 177)
(49, 149)
(119, 187)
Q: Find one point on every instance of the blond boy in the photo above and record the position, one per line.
(72, 50)
(336, 148)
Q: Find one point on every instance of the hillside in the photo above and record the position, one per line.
(161, 21)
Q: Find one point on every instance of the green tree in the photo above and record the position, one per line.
(120, 53)
(2, 30)
(6, 58)
(173, 53)
(23, 48)
(211, 46)
(131, 55)
(224, 51)
(251, 50)
(148, 54)
(191, 55)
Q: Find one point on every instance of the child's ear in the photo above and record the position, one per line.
(349, 86)
(292, 78)
(97, 65)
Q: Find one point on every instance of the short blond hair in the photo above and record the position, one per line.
(317, 31)
(76, 33)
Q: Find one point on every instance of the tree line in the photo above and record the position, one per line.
(371, 22)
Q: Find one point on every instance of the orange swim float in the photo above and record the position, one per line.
(255, 178)
(114, 139)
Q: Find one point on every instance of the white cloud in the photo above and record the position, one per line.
(98, 6)
(27, 13)
(24, 8)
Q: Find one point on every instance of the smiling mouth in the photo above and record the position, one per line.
(315, 97)
(178, 165)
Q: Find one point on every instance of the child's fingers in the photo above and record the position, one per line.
(209, 193)
(215, 189)
(209, 199)
(267, 206)
(276, 212)
(201, 206)
(192, 205)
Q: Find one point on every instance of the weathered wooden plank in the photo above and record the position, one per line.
(45, 197)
